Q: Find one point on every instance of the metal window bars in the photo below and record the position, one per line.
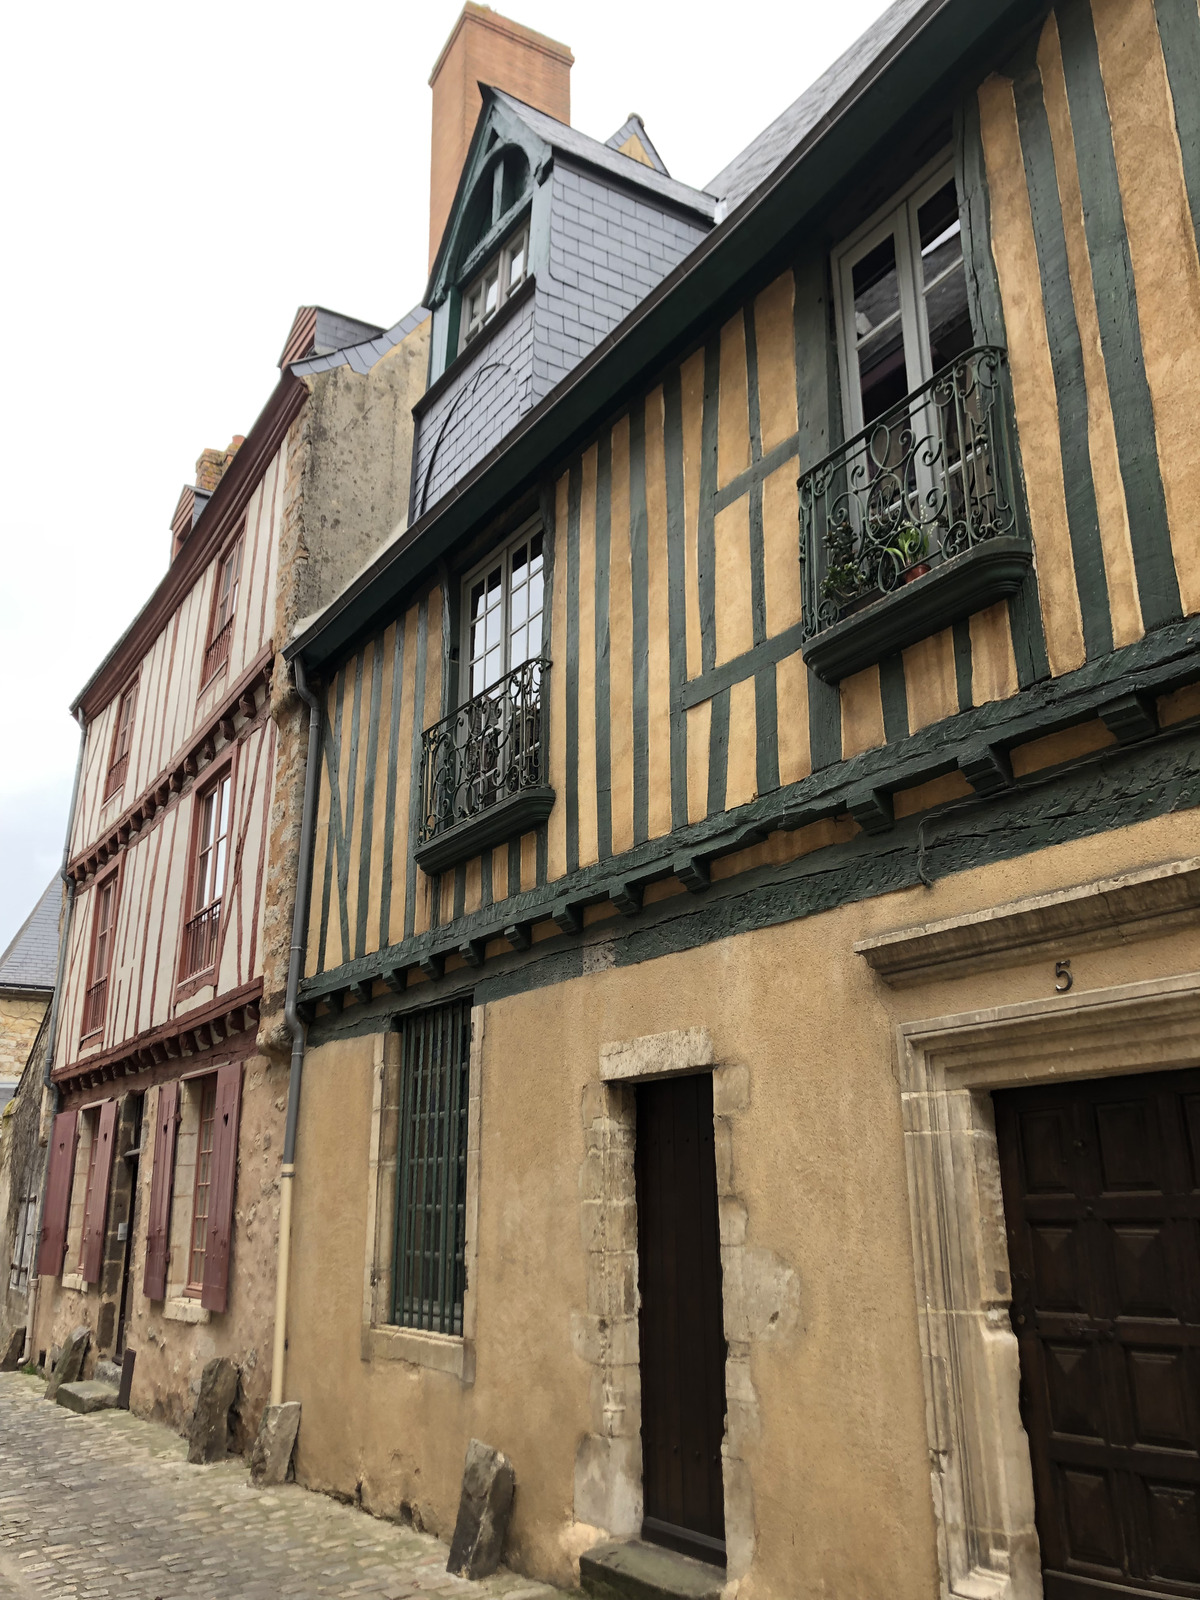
(94, 1004)
(929, 480)
(489, 750)
(428, 1268)
(200, 936)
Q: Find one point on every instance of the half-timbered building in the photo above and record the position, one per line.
(751, 964)
(168, 1048)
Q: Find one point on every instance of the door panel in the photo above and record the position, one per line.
(1102, 1207)
(680, 1320)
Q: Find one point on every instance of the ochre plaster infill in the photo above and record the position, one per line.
(981, 1476)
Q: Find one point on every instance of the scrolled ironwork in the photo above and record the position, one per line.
(927, 481)
(490, 749)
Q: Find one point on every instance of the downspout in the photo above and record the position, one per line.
(296, 1027)
(52, 1025)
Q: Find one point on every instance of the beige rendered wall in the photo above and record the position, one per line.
(834, 1436)
(20, 1020)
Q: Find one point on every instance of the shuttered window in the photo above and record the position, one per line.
(158, 1235)
(53, 1243)
(428, 1274)
(218, 1239)
(118, 758)
(23, 1242)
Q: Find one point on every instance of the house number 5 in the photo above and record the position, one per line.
(1062, 976)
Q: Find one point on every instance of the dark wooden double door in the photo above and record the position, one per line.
(1102, 1201)
(681, 1325)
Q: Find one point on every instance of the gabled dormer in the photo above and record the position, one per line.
(553, 238)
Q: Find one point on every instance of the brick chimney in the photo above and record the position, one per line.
(211, 464)
(485, 47)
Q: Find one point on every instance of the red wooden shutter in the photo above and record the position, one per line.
(53, 1243)
(97, 1200)
(158, 1233)
(215, 1291)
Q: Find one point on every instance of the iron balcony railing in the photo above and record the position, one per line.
(200, 936)
(116, 776)
(94, 1005)
(491, 749)
(927, 481)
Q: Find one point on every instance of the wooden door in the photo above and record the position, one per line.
(1102, 1203)
(680, 1322)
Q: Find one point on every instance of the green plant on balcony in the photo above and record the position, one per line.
(843, 579)
(909, 546)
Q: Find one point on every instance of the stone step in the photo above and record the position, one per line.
(88, 1395)
(631, 1570)
(108, 1371)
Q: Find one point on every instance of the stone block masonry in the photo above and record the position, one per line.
(68, 1483)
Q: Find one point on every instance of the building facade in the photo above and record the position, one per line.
(751, 965)
(160, 1217)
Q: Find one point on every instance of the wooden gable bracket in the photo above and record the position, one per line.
(247, 704)
(361, 990)
(226, 728)
(567, 915)
(871, 809)
(1130, 717)
(433, 965)
(175, 782)
(472, 950)
(626, 895)
(692, 872)
(987, 768)
(306, 1010)
(395, 979)
(208, 748)
(252, 1010)
(519, 935)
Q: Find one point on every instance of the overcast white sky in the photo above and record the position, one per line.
(176, 180)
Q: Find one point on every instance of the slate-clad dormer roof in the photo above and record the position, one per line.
(30, 963)
(604, 228)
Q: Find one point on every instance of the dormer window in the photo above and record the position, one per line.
(500, 278)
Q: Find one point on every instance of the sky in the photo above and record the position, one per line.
(177, 179)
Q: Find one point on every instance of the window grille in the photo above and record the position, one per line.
(428, 1268)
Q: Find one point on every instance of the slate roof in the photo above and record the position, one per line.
(764, 153)
(560, 136)
(31, 960)
(362, 357)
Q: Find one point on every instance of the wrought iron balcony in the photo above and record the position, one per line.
(484, 770)
(915, 522)
(95, 1004)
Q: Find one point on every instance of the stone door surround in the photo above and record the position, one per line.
(608, 1462)
(979, 1452)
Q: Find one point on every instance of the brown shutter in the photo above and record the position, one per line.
(97, 1200)
(158, 1233)
(53, 1244)
(215, 1291)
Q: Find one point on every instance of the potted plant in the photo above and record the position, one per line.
(908, 549)
(843, 580)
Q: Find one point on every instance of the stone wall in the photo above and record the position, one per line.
(20, 1019)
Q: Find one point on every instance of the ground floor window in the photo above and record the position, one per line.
(428, 1276)
(24, 1235)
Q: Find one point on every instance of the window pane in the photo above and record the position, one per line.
(882, 372)
(520, 605)
(534, 645)
(491, 292)
(516, 263)
(943, 278)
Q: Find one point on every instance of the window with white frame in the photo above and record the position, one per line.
(902, 297)
(502, 611)
(500, 278)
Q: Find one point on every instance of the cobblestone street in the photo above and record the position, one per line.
(107, 1505)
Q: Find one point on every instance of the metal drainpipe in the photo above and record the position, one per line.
(52, 1026)
(298, 1030)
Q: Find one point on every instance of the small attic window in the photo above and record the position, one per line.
(500, 278)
